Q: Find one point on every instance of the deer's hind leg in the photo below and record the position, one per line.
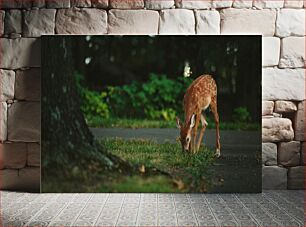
(214, 110)
(204, 124)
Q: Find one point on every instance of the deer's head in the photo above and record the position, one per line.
(185, 132)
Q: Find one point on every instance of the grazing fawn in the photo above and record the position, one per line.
(201, 94)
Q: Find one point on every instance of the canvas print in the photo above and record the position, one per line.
(151, 114)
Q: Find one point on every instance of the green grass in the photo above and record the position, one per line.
(162, 168)
(191, 172)
(140, 184)
(128, 123)
(110, 183)
(144, 123)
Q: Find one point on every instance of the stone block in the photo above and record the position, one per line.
(242, 4)
(299, 122)
(283, 84)
(99, 3)
(289, 153)
(271, 51)
(9, 179)
(3, 121)
(274, 177)
(126, 4)
(39, 3)
(159, 4)
(80, 3)
(24, 122)
(293, 3)
(207, 22)
(192, 4)
(13, 21)
(39, 22)
(262, 4)
(55, 4)
(140, 22)
(26, 179)
(81, 21)
(177, 21)
(221, 3)
(296, 178)
(290, 22)
(19, 53)
(269, 154)
(33, 154)
(285, 106)
(293, 52)
(15, 4)
(27, 86)
(277, 129)
(267, 107)
(7, 81)
(13, 155)
(248, 21)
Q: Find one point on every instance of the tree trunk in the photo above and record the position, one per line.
(67, 143)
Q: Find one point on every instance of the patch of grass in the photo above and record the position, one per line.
(190, 171)
(140, 184)
(162, 168)
(128, 123)
(110, 183)
(144, 123)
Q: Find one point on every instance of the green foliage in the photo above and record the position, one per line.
(241, 114)
(155, 99)
(93, 103)
(152, 104)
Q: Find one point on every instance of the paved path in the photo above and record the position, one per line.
(271, 208)
(238, 169)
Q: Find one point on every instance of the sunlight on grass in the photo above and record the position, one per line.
(193, 169)
(140, 184)
(162, 168)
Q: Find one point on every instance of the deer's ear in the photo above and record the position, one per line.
(178, 122)
(192, 121)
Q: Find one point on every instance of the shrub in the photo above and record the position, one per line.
(93, 103)
(241, 114)
(156, 99)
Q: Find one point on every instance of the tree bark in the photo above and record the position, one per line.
(67, 142)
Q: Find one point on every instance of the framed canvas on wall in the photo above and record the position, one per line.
(151, 114)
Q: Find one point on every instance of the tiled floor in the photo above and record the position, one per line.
(271, 208)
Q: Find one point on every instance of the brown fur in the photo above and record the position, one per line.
(200, 94)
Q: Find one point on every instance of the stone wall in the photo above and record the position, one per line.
(281, 22)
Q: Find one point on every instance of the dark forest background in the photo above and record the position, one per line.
(234, 62)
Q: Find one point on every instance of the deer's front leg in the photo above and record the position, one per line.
(204, 124)
(192, 143)
(195, 134)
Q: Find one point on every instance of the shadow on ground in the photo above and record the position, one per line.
(237, 170)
